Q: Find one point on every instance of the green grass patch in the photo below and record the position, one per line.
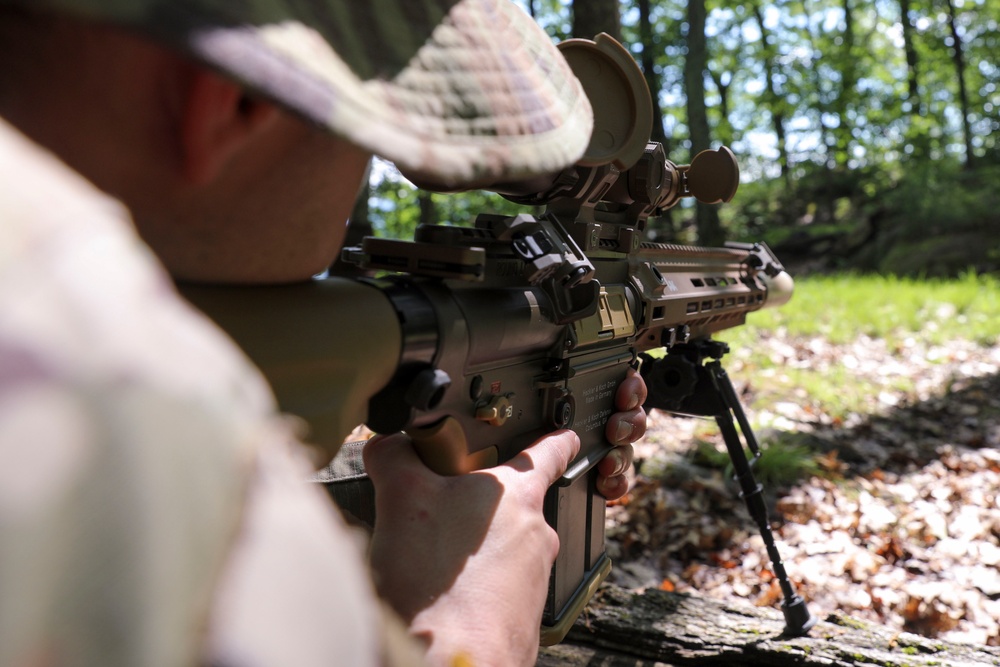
(906, 313)
(838, 391)
(840, 308)
(794, 379)
(783, 462)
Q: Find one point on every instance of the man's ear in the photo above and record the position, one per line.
(218, 118)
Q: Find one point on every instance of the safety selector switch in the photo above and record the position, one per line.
(496, 411)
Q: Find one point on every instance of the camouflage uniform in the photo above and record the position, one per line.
(141, 456)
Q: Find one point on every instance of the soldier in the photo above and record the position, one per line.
(151, 504)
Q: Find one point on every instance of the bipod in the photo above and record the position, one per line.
(690, 380)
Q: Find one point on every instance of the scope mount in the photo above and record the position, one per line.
(604, 193)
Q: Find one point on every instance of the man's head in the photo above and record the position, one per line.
(180, 109)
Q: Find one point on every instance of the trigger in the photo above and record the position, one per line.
(443, 447)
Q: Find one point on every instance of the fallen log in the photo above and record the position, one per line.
(660, 629)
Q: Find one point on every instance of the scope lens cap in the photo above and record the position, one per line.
(617, 90)
(714, 176)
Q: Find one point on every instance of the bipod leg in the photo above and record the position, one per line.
(798, 620)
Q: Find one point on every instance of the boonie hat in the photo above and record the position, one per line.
(457, 91)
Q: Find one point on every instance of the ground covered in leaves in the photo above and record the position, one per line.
(886, 512)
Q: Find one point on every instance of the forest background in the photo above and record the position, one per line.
(866, 130)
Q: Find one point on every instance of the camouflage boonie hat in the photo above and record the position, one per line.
(458, 91)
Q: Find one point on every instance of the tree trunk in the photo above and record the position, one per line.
(912, 65)
(655, 628)
(591, 17)
(773, 100)
(916, 135)
(650, 43)
(724, 131)
(848, 88)
(428, 211)
(822, 107)
(662, 225)
(958, 55)
(695, 64)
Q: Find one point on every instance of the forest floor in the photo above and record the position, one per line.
(894, 517)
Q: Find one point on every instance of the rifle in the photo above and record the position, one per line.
(479, 340)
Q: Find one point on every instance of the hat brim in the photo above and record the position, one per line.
(485, 95)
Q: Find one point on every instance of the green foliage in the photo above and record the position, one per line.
(872, 162)
(394, 207)
(914, 218)
(940, 220)
(859, 143)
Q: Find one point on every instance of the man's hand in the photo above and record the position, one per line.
(466, 559)
(624, 428)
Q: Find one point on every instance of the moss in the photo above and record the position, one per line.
(848, 622)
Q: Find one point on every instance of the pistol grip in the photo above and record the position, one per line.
(443, 447)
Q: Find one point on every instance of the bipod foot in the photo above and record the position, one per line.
(798, 620)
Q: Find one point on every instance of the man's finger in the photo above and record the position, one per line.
(548, 457)
(631, 392)
(617, 461)
(626, 427)
(612, 488)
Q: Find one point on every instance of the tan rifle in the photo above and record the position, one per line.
(478, 340)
